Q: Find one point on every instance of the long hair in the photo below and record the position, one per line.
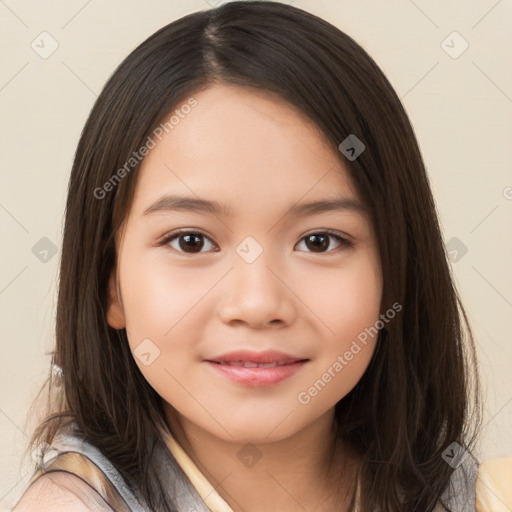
(420, 391)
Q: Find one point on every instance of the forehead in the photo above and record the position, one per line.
(244, 147)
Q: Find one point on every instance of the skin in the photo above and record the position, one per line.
(253, 152)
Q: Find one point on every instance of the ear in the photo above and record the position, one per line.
(115, 313)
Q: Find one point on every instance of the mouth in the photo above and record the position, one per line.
(256, 375)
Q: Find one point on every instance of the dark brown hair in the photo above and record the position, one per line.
(419, 393)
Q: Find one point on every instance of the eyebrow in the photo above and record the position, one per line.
(193, 204)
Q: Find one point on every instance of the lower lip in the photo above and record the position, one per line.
(257, 377)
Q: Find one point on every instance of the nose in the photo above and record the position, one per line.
(257, 294)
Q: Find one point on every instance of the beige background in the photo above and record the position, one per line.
(461, 109)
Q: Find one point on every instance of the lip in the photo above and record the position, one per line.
(285, 366)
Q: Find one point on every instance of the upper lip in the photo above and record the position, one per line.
(268, 356)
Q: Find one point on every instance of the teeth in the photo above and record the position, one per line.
(250, 364)
(268, 365)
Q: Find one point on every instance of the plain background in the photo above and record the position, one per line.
(459, 105)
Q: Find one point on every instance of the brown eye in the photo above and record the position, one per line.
(193, 242)
(189, 242)
(321, 241)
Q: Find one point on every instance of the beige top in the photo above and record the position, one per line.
(494, 484)
(204, 488)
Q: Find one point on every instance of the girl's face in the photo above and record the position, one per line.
(254, 270)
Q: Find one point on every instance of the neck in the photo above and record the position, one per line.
(310, 470)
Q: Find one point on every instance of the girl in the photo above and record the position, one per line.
(255, 308)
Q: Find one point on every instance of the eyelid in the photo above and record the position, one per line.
(334, 232)
(165, 239)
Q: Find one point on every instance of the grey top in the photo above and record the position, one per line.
(186, 498)
(459, 497)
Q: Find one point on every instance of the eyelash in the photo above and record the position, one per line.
(344, 243)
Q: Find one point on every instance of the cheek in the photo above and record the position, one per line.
(159, 298)
(347, 302)
(163, 304)
(344, 300)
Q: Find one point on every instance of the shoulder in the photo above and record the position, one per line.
(493, 488)
(60, 492)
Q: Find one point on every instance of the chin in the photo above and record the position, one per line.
(254, 430)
